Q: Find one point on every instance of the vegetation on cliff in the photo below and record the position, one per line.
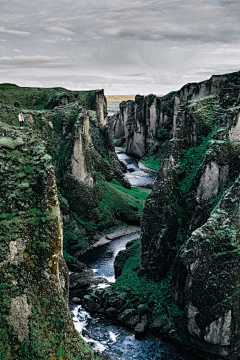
(35, 322)
(64, 160)
(190, 226)
(72, 124)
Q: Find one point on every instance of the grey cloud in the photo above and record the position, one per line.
(160, 45)
(59, 30)
(22, 60)
(14, 32)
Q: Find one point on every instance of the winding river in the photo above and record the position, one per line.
(110, 340)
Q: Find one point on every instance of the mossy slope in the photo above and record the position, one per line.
(35, 322)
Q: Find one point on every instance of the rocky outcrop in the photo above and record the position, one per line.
(159, 226)
(138, 122)
(203, 160)
(190, 221)
(34, 318)
(100, 106)
(206, 279)
(54, 197)
(145, 121)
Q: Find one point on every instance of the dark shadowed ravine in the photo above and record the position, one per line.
(109, 339)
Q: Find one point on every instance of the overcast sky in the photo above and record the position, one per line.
(123, 46)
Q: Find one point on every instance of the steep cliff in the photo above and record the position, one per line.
(61, 184)
(35, 322)
(190, 225)
(73, 125)
(146, 122)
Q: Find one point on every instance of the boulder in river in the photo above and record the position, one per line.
(91, 303)
(132, 321)
(112, 312)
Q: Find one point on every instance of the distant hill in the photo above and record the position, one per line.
(121, 97)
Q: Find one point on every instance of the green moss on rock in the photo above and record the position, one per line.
(35, 322)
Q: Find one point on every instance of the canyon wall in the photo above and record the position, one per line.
(149, 120)
(74, 128)
(34, 318)
(183, 277)
(190, 227)
(56, 194)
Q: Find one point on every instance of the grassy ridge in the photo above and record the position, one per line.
(116, 202)
(127, 203)
(137, 192)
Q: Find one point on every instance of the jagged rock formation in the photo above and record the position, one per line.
(138, 122)
(206, 279)
(35, 322)
(190, 226)
(147, 121)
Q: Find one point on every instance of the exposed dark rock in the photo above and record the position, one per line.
(124, 316)
(156, 324)
(76, 300)
(139, 328)
(132, 321)
(90, 303)
(117, 301)
(143, 309)
(207, 291)
(112, 312)
(159, 225)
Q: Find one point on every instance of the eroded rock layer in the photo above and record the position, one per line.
(72, 123)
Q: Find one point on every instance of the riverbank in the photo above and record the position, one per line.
(127, 230)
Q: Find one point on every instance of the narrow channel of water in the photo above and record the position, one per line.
(101, 259)
(109, 339)
(137, 174)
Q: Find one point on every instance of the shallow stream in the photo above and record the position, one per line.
(137, 174)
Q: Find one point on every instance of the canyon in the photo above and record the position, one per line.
(64, 187)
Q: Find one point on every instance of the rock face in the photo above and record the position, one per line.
(145, 121)
(206, 278)
(159, 226)
(73, 126)
(34, 318)
(55, 195)
(190, 224)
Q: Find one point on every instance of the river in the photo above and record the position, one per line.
(109, 339)
(137, 174)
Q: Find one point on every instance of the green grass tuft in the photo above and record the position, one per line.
(151, 162)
